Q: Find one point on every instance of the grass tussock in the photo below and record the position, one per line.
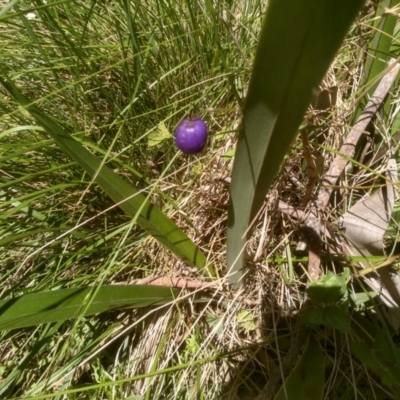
(115, 75)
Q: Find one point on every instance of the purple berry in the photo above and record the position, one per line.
(191, 135)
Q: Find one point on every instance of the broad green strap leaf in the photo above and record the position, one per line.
(149, 217)
(60, 305)
(307, 380)
(298, 42)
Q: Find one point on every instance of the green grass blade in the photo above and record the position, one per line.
(297, 45)
(380, 356)
(149, 217)
(307, 380)
(60, 305)
(381, 42)
(380, 50)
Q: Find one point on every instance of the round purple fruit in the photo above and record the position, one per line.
(191, 135)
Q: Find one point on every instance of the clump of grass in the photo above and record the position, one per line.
(112, 75)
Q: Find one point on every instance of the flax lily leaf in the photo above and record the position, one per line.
(298, 41)
(149, 217)
(59, 305)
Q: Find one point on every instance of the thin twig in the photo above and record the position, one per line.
(291, 211)
(175, 282)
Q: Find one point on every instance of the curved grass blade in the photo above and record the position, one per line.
(60, 305)
(149, 217)
(297, 45)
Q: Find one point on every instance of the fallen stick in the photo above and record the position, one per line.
(175, 282)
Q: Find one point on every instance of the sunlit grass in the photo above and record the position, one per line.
(111, 83)
(111, 76)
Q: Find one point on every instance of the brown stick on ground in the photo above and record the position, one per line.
(313, 220)
(179, 283)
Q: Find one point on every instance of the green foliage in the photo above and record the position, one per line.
(125, 196)
(381, 357)
(330, 288)
(109, 74)
(380, 48)
(216, 323)
(245, 320)
(362, 297)
(307, 380)
(383, 45)
(160, 134)
(330, 316)
(285, 74)
(109, 81)
(329, 302)
(60, 305)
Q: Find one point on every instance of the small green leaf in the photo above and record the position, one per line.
(60, 305)
(229, 154)
(216, 323)
(329, 316)
(198, 168)
(362, 297)
(192, 345)
(245, 320)
(330, 288)
(313, 317)
(336, 317)
(157, 136)
(307, 380)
